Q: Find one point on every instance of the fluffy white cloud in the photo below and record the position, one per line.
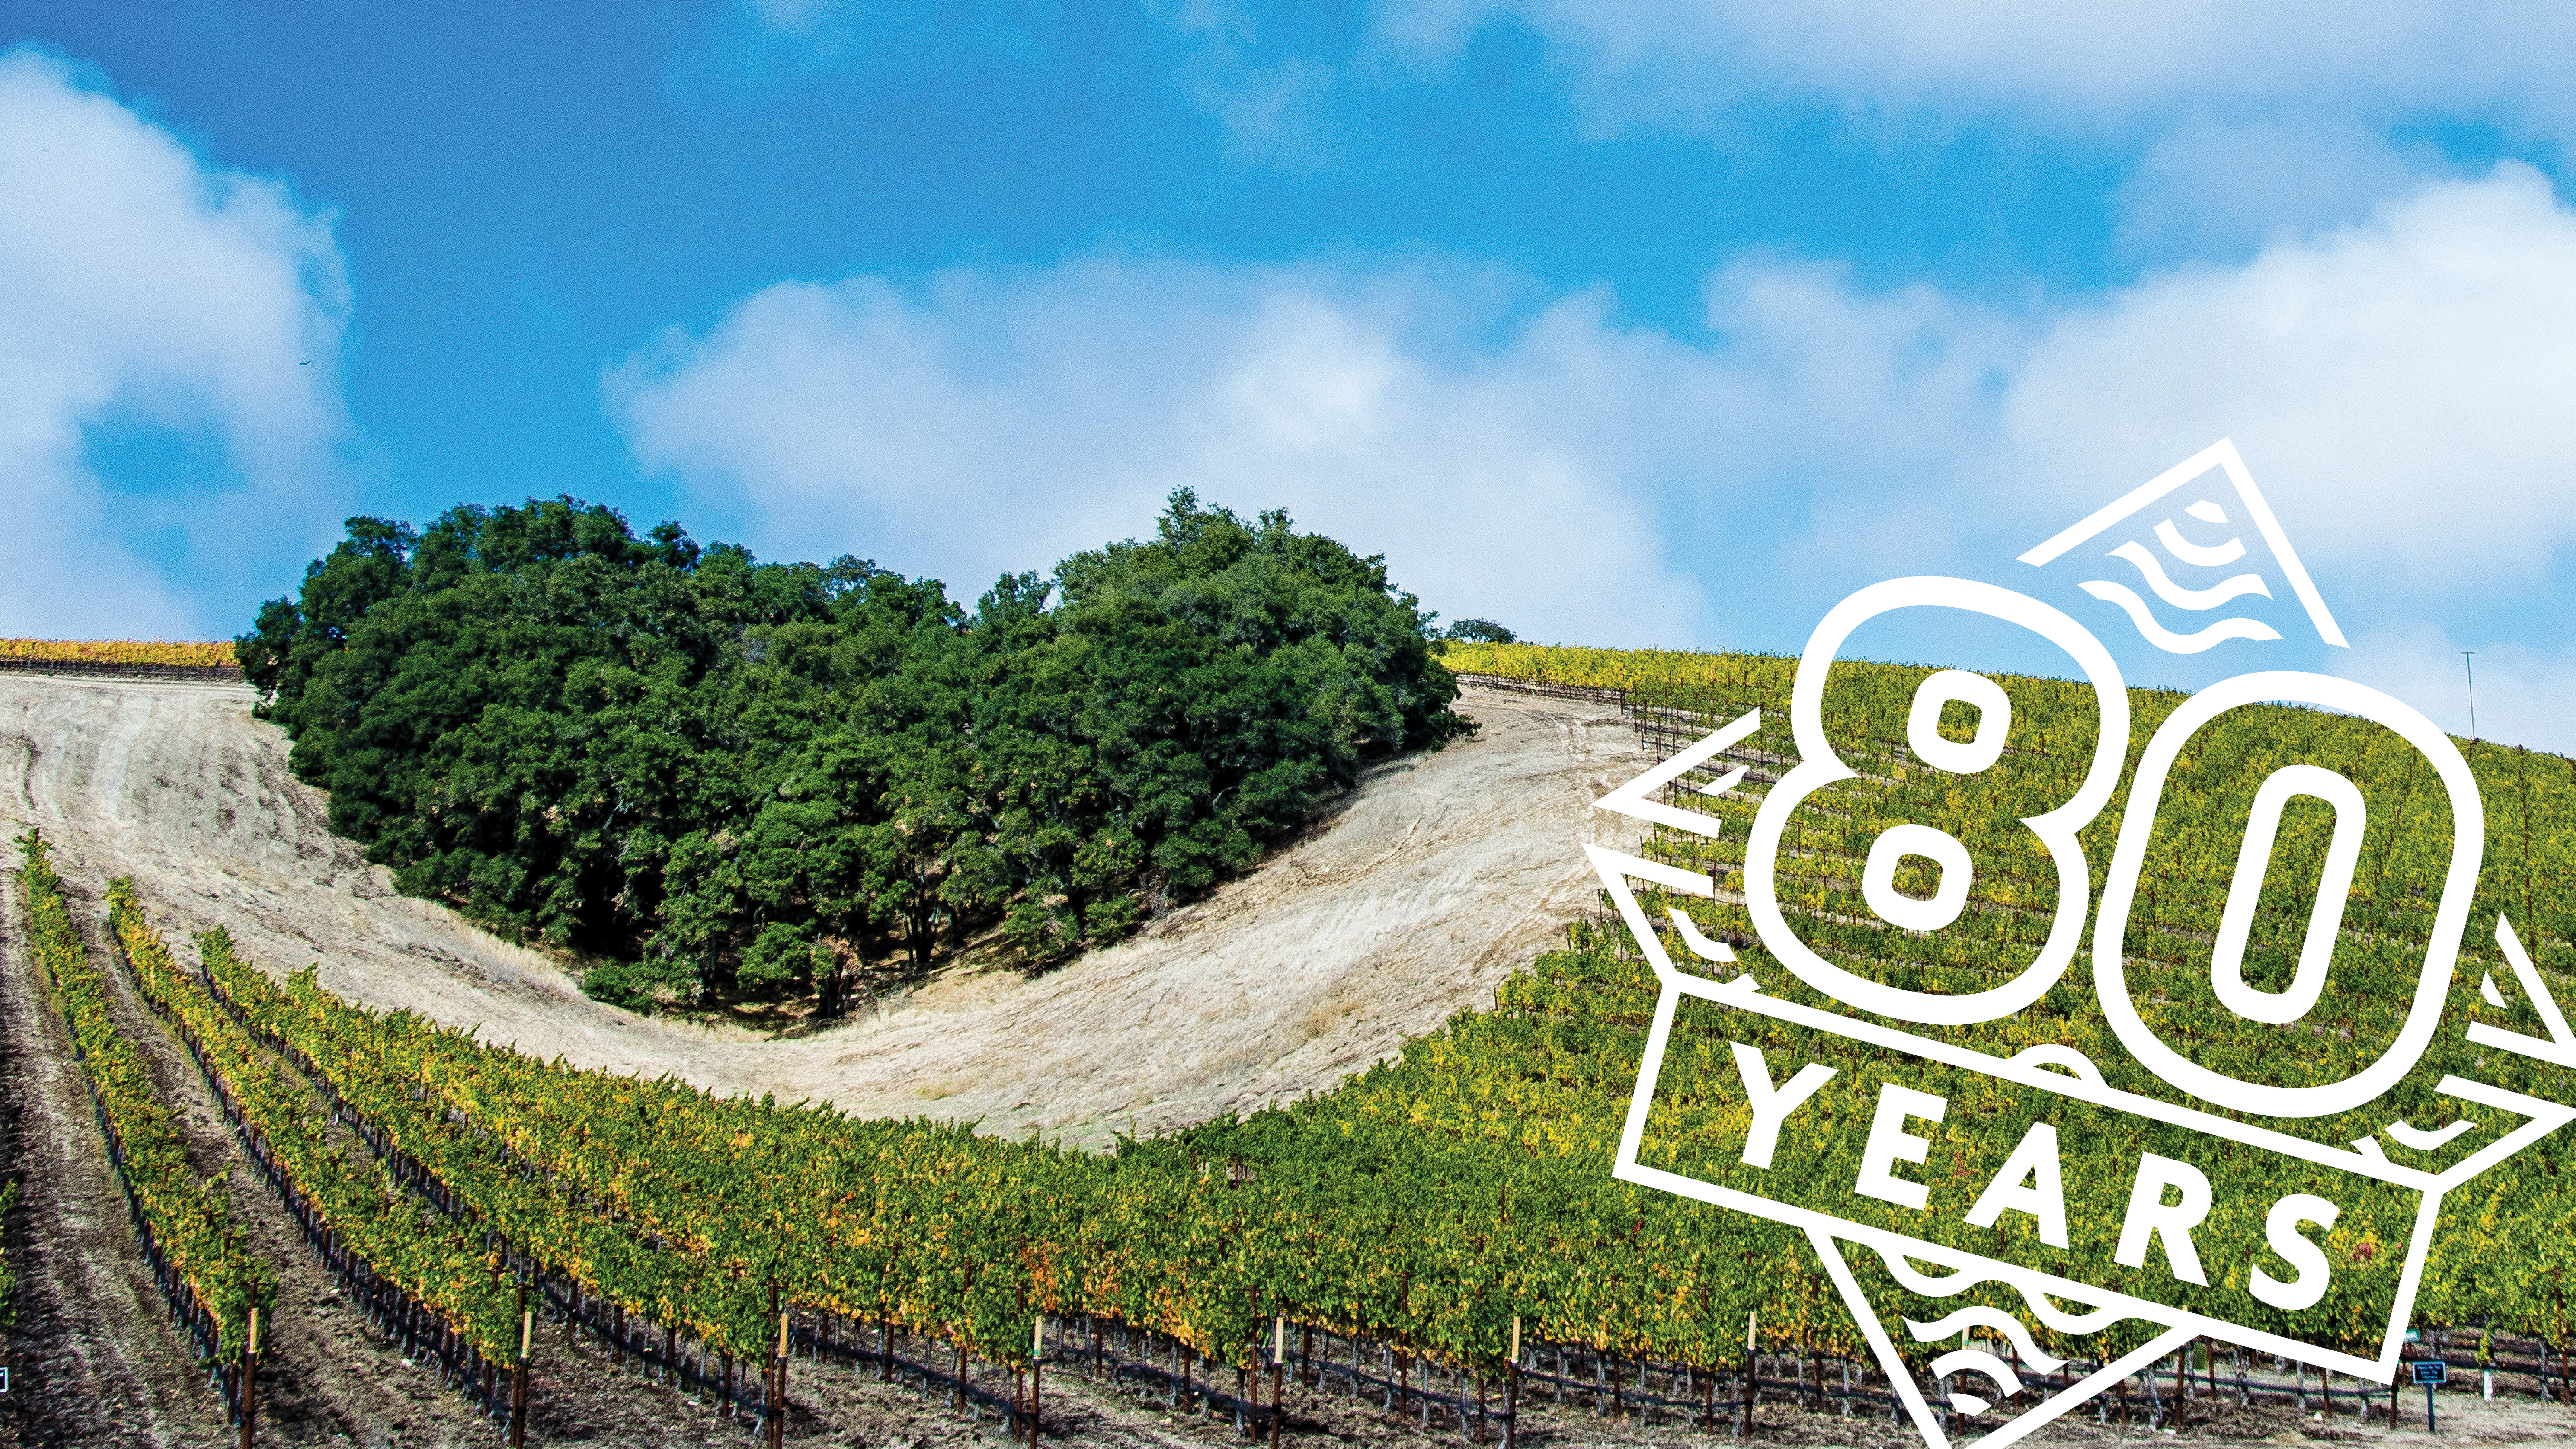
(2400, 386)
(140, 289)
(2397, 385)
(1642, 61)
(1276, 113)
(2220, 190)
(1001, 420)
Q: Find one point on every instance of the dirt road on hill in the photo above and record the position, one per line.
(1439, 877)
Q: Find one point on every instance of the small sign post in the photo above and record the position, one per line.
(2428, 1372)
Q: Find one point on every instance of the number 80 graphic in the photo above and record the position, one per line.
(1819, 766)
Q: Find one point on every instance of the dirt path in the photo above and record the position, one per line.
(94, 1358)
(1442, 875)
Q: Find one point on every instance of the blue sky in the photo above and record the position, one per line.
(1620, 323)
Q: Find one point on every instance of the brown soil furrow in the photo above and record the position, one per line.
(324, 1377)
(93, 1357)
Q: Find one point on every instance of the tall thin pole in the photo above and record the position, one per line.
(2468, 661)
(778, 1371)
(519, 1373)
(249, 1381)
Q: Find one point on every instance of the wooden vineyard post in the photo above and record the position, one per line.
(1037, 1366)
(519, 1374)
(1278, 1375)
(1512, 1389)
(250, 1380)
(1747, 1386)
(778, 1379)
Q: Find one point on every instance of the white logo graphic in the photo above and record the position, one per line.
(2125, 518)
(2157, 1189)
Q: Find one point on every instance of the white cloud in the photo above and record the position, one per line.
(1636, 61)
(1274, 113)
(1000, 421)
(799, 18)
(2398, 385)
(2220, 190)
(2521, 694)
(140, 288)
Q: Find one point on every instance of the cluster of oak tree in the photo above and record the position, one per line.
(715, 774)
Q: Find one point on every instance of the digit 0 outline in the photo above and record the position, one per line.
(2441, 950)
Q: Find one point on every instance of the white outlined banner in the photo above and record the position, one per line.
(2197, 1176)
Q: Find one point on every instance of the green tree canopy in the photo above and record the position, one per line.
(727, 771)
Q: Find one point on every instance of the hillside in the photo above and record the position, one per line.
(1436, 1207)
(1444, 872)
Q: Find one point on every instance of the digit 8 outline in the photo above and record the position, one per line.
(2441, 948)
(1818, 766)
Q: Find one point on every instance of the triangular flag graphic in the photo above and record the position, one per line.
(2560, 1048)
(2183, 537)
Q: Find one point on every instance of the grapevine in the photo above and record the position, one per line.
(367, 1226)
(213, 1282)
(118, 651)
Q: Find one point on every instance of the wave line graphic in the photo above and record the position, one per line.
(1976, 1361)
(1929, 1285)
(2166, 639)
(1995, 1320)
(2192, 553)
(2180, 597)
(2045, 1309)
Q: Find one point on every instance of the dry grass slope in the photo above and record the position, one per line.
(1439, 877)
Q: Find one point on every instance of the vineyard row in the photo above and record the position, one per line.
(210, 1281)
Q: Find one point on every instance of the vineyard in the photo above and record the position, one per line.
(213, 1286)
(2505, 1268)
(1449, 1217)
(119, 651)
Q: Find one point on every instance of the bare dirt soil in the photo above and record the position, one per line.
(1440, 876)
(326, 1378)
(93, 1357)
